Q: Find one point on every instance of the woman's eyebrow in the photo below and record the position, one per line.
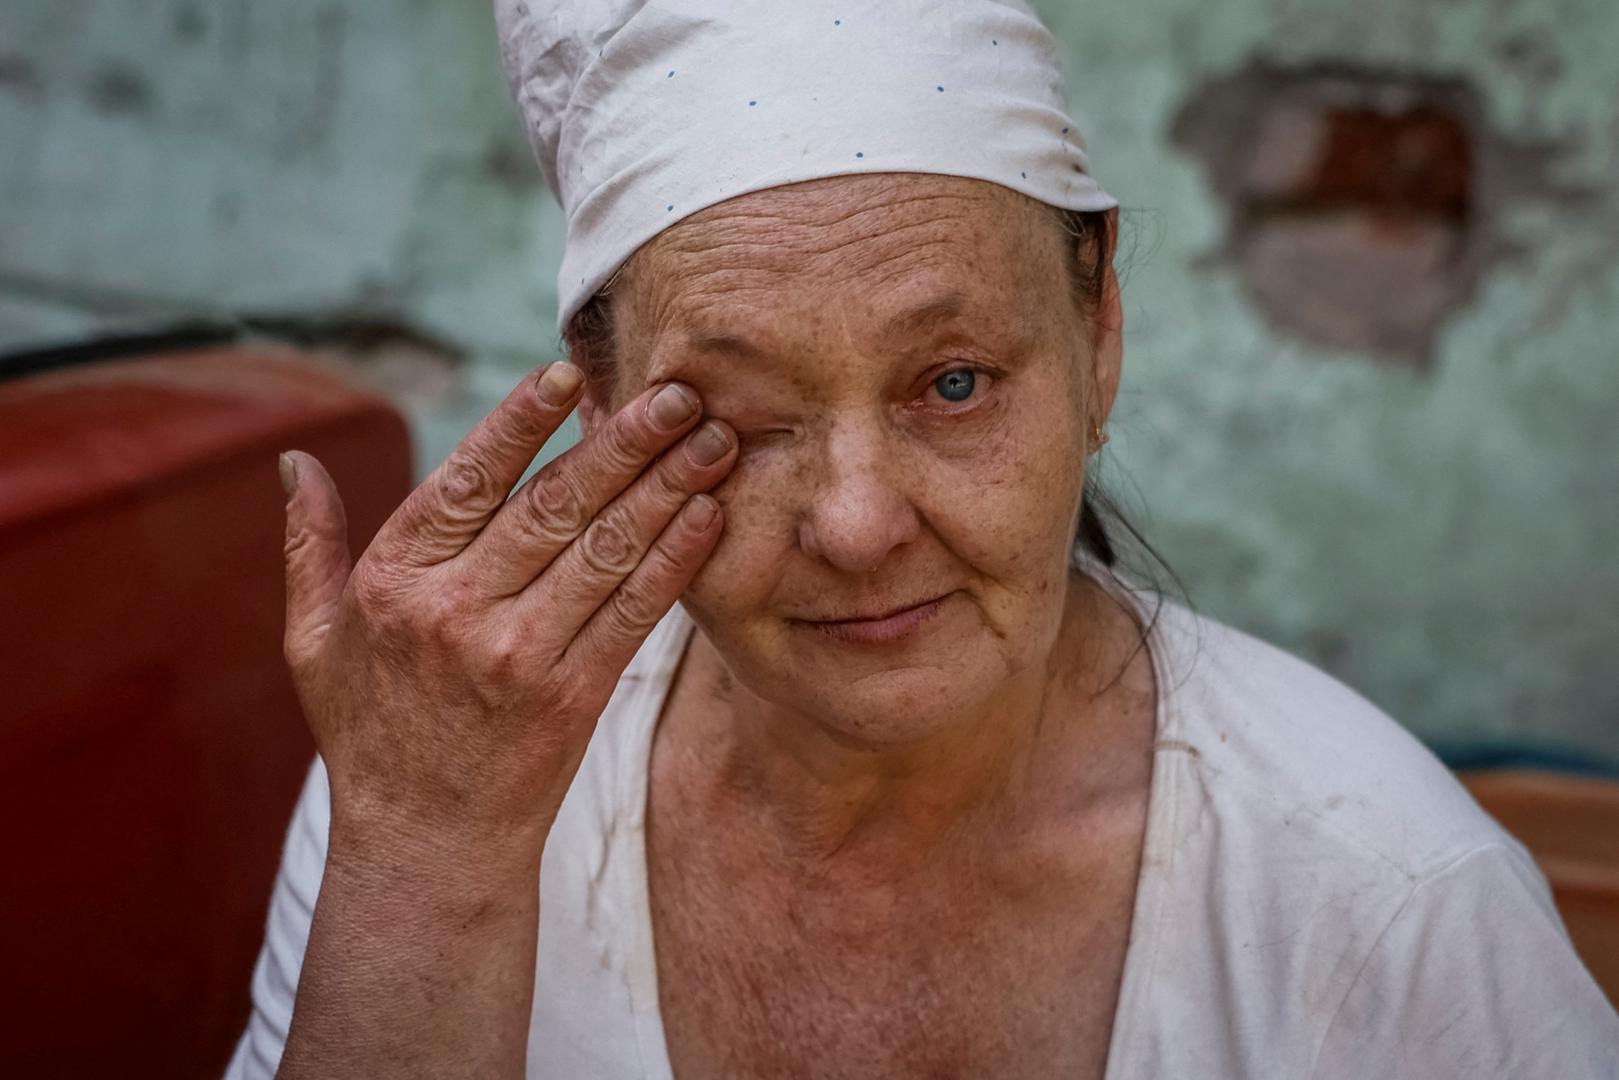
(721, 341)
(712, 341)
(698, 346)
(934, 309)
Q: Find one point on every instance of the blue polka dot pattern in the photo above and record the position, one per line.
(859, 153)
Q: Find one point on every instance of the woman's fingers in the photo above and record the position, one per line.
(317, 554)
(444, 514)
(556, 507)
(623, 535)
(610, 639)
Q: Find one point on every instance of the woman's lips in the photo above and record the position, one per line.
(886, 628)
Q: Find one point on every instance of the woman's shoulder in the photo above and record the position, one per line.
(1320, 897)
(1287, 745)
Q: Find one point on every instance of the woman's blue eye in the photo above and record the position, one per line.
(956, 385)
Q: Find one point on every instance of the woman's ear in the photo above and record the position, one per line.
(1107, 335)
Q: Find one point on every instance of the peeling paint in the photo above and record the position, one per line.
(119, 89)
(1437, 531)
(18, 75)
(190, 24)
(1362, 200)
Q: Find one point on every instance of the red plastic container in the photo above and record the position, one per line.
(151, 747)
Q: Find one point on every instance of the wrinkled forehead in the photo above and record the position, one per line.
(851, 254)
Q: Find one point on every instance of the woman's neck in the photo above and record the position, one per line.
(988, 772)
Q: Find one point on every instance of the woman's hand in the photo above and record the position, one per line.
(453, 678)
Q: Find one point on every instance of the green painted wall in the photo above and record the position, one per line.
(1441, 537)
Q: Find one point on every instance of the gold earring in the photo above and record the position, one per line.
(1098, 439)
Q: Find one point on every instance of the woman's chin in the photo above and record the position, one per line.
(893, 707)
(889, 682)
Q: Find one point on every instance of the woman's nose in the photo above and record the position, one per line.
(857, 512)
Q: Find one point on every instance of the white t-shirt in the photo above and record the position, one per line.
(1319, 898)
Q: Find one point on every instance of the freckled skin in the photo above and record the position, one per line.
(855, 490)
(917, 859)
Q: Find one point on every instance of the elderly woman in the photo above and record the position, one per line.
(909, 783)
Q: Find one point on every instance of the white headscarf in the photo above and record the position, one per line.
(641, 112)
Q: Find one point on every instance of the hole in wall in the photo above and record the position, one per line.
(1359, 200)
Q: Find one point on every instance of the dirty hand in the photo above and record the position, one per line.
(453, 677)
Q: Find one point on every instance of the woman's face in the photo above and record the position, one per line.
(913, 387)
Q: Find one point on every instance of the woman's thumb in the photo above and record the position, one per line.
(317, 552)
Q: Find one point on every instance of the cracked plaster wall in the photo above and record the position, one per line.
(1442, 536)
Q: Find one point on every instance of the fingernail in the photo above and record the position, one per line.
(672, 406)
(559, 382)
(700, 511)
(289, 474)
(708, 444)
